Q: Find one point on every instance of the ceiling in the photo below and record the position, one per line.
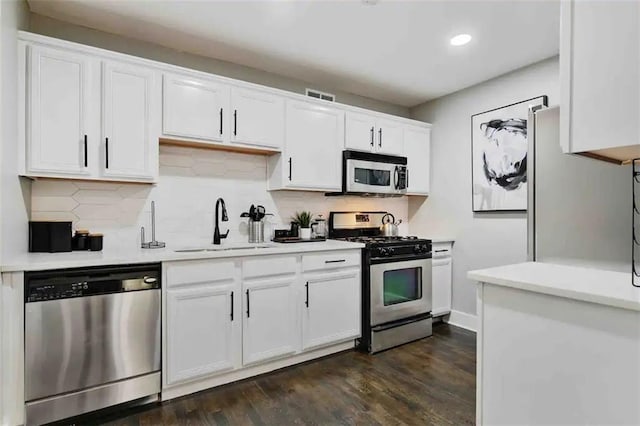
(395, 51)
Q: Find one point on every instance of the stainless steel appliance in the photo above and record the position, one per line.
(580, 209)
(92, 339)
(368, 174)
(396, 281)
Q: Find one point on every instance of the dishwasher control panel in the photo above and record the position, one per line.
(42, 292)
(70, 283)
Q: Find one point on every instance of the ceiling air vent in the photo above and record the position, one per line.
(321, 95)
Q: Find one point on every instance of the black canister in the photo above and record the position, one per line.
(80, 240)
(95, 242)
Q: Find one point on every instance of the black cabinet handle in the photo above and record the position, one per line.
(289, 168)
(440, 251)
(248, 305)
(106, 152)
(372, 135)
(380, 137)
(220, 120)
(335, 261)
(86, 154)
(307, 300)
(231, 306)
(235, 122)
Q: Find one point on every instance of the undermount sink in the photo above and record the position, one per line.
(224, 248)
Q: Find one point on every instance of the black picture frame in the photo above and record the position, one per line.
(535, 101)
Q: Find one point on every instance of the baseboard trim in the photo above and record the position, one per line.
(462, 320)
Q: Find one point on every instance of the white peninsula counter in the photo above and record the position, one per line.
(557, 345)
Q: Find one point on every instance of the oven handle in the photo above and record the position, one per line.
(396, 178)
(380, 260)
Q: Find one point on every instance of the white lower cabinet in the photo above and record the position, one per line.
(228, 319)
(331, 308)
(269, 320)
(203, 334)
(441, 273)
(201, 339)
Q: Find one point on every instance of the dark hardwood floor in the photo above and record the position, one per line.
(431, 381)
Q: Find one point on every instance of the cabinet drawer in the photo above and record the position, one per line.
(441, 249)
(197, 272)
(268, 265)
(330, 260)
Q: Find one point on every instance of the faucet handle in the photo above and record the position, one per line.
(225, 235)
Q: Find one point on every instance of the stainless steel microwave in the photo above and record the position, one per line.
(368, 174)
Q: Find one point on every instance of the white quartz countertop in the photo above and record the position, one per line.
(77, 259)
(572, 282)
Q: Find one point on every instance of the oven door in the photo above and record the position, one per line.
(400, 290)
(373, 177)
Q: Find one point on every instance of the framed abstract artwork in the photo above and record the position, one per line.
(499, 157)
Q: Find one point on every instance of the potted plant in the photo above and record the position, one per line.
(303, 219)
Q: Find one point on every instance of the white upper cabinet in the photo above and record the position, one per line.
(257, 118)
(59, 113)
(417, 148)
(314, 137)
(372, 133)
(360, 132)
(390, 137)
(599, 77)
(129, 132)
(88, 117)
(195, 108)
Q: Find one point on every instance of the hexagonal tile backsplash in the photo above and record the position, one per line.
(190, 182)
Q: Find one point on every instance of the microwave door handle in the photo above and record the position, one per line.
(396, 184)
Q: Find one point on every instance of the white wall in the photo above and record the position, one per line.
(482, 239)
(15, 197)
(190, 182)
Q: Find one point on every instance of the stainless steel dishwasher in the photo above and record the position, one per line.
(92, 339)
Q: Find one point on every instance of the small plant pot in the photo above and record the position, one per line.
(305, 233)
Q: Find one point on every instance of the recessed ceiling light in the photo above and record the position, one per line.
(460, 39)
(370, 2)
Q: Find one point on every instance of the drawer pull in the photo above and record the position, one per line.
(335, 261)
(440, 251)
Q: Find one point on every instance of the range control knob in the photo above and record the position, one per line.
(383, 251)
(390, 251)
(425, 248)
(417, 248)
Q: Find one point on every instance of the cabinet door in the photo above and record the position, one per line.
(331, 308)
(200, 332)
(59, 113)
(269, 320)
(127, 122)
(195, 108)
(417, 149)
(390, 137)
(599, 69)
(258, 118)
(314, 140)
(360, 132)
(441, 276)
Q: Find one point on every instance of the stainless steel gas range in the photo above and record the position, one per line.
(396, 281)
